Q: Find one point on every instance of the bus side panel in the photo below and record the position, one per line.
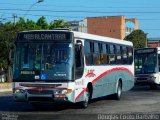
(71, 96)
(80, 92)
(80, 89)
(105, 81)
(128, 81)
(104, 86)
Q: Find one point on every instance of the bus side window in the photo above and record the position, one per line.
(96, 54)
(124, 55)
(112, 54)
(130, 55)
(103, 54)
(89, 48)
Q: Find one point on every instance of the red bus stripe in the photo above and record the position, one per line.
(112, 70)
(80, 94)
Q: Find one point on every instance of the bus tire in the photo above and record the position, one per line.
(153, 86)
(87, 94)
(117, 95)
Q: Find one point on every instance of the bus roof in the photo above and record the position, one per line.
(101, 38)
(82, 35)
(158, 48)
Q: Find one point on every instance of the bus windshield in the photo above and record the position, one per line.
(43, 61)
(145, 63)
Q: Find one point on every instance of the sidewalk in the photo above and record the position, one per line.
(5, 87)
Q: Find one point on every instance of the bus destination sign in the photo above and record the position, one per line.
(46, 36)
(147, 50)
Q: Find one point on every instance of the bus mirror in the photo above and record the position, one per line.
(79, 45)
(78, 54)
(79, 42)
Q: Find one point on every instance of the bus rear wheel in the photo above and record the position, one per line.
(117, 95)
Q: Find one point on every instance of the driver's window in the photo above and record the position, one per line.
(159, 61)
(79, 60)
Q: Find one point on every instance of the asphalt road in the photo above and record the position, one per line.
(139, 100)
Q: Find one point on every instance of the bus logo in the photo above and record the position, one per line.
(90, 73)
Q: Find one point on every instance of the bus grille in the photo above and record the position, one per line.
(142, 78)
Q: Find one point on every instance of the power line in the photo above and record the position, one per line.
(155, 19)
(81, 11)
(82, 6)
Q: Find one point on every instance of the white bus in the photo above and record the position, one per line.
(147, 64)
(52, 65)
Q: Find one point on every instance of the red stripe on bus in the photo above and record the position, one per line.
(112, 70)
(105, 73)
(80, 94)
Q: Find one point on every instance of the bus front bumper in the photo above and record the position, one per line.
(145, 80)
(26, 97)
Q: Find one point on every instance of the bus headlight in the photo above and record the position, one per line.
(69, 91)
(153, 78)
(19, 91)
(66, 91)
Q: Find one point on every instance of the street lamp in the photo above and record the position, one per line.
(39, 1)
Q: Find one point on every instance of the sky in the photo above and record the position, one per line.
(146, 11)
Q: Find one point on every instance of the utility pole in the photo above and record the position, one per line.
(146, 39)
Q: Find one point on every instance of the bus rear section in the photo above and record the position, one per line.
(147, 67)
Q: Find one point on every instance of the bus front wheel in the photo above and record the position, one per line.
(87, 94)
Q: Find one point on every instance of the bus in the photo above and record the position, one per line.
(147, 64)
(96, 66)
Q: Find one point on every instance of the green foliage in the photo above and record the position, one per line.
(58, 24)
(138, 37)
(41, 22)
(26, 25)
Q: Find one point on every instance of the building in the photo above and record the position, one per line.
(109, 26)
(153, 42)
(74, 25)
(80, 26)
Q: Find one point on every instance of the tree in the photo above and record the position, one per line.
(22, 25)
(7, 35)
(58, 24)
(138, 37)
(41, 22)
